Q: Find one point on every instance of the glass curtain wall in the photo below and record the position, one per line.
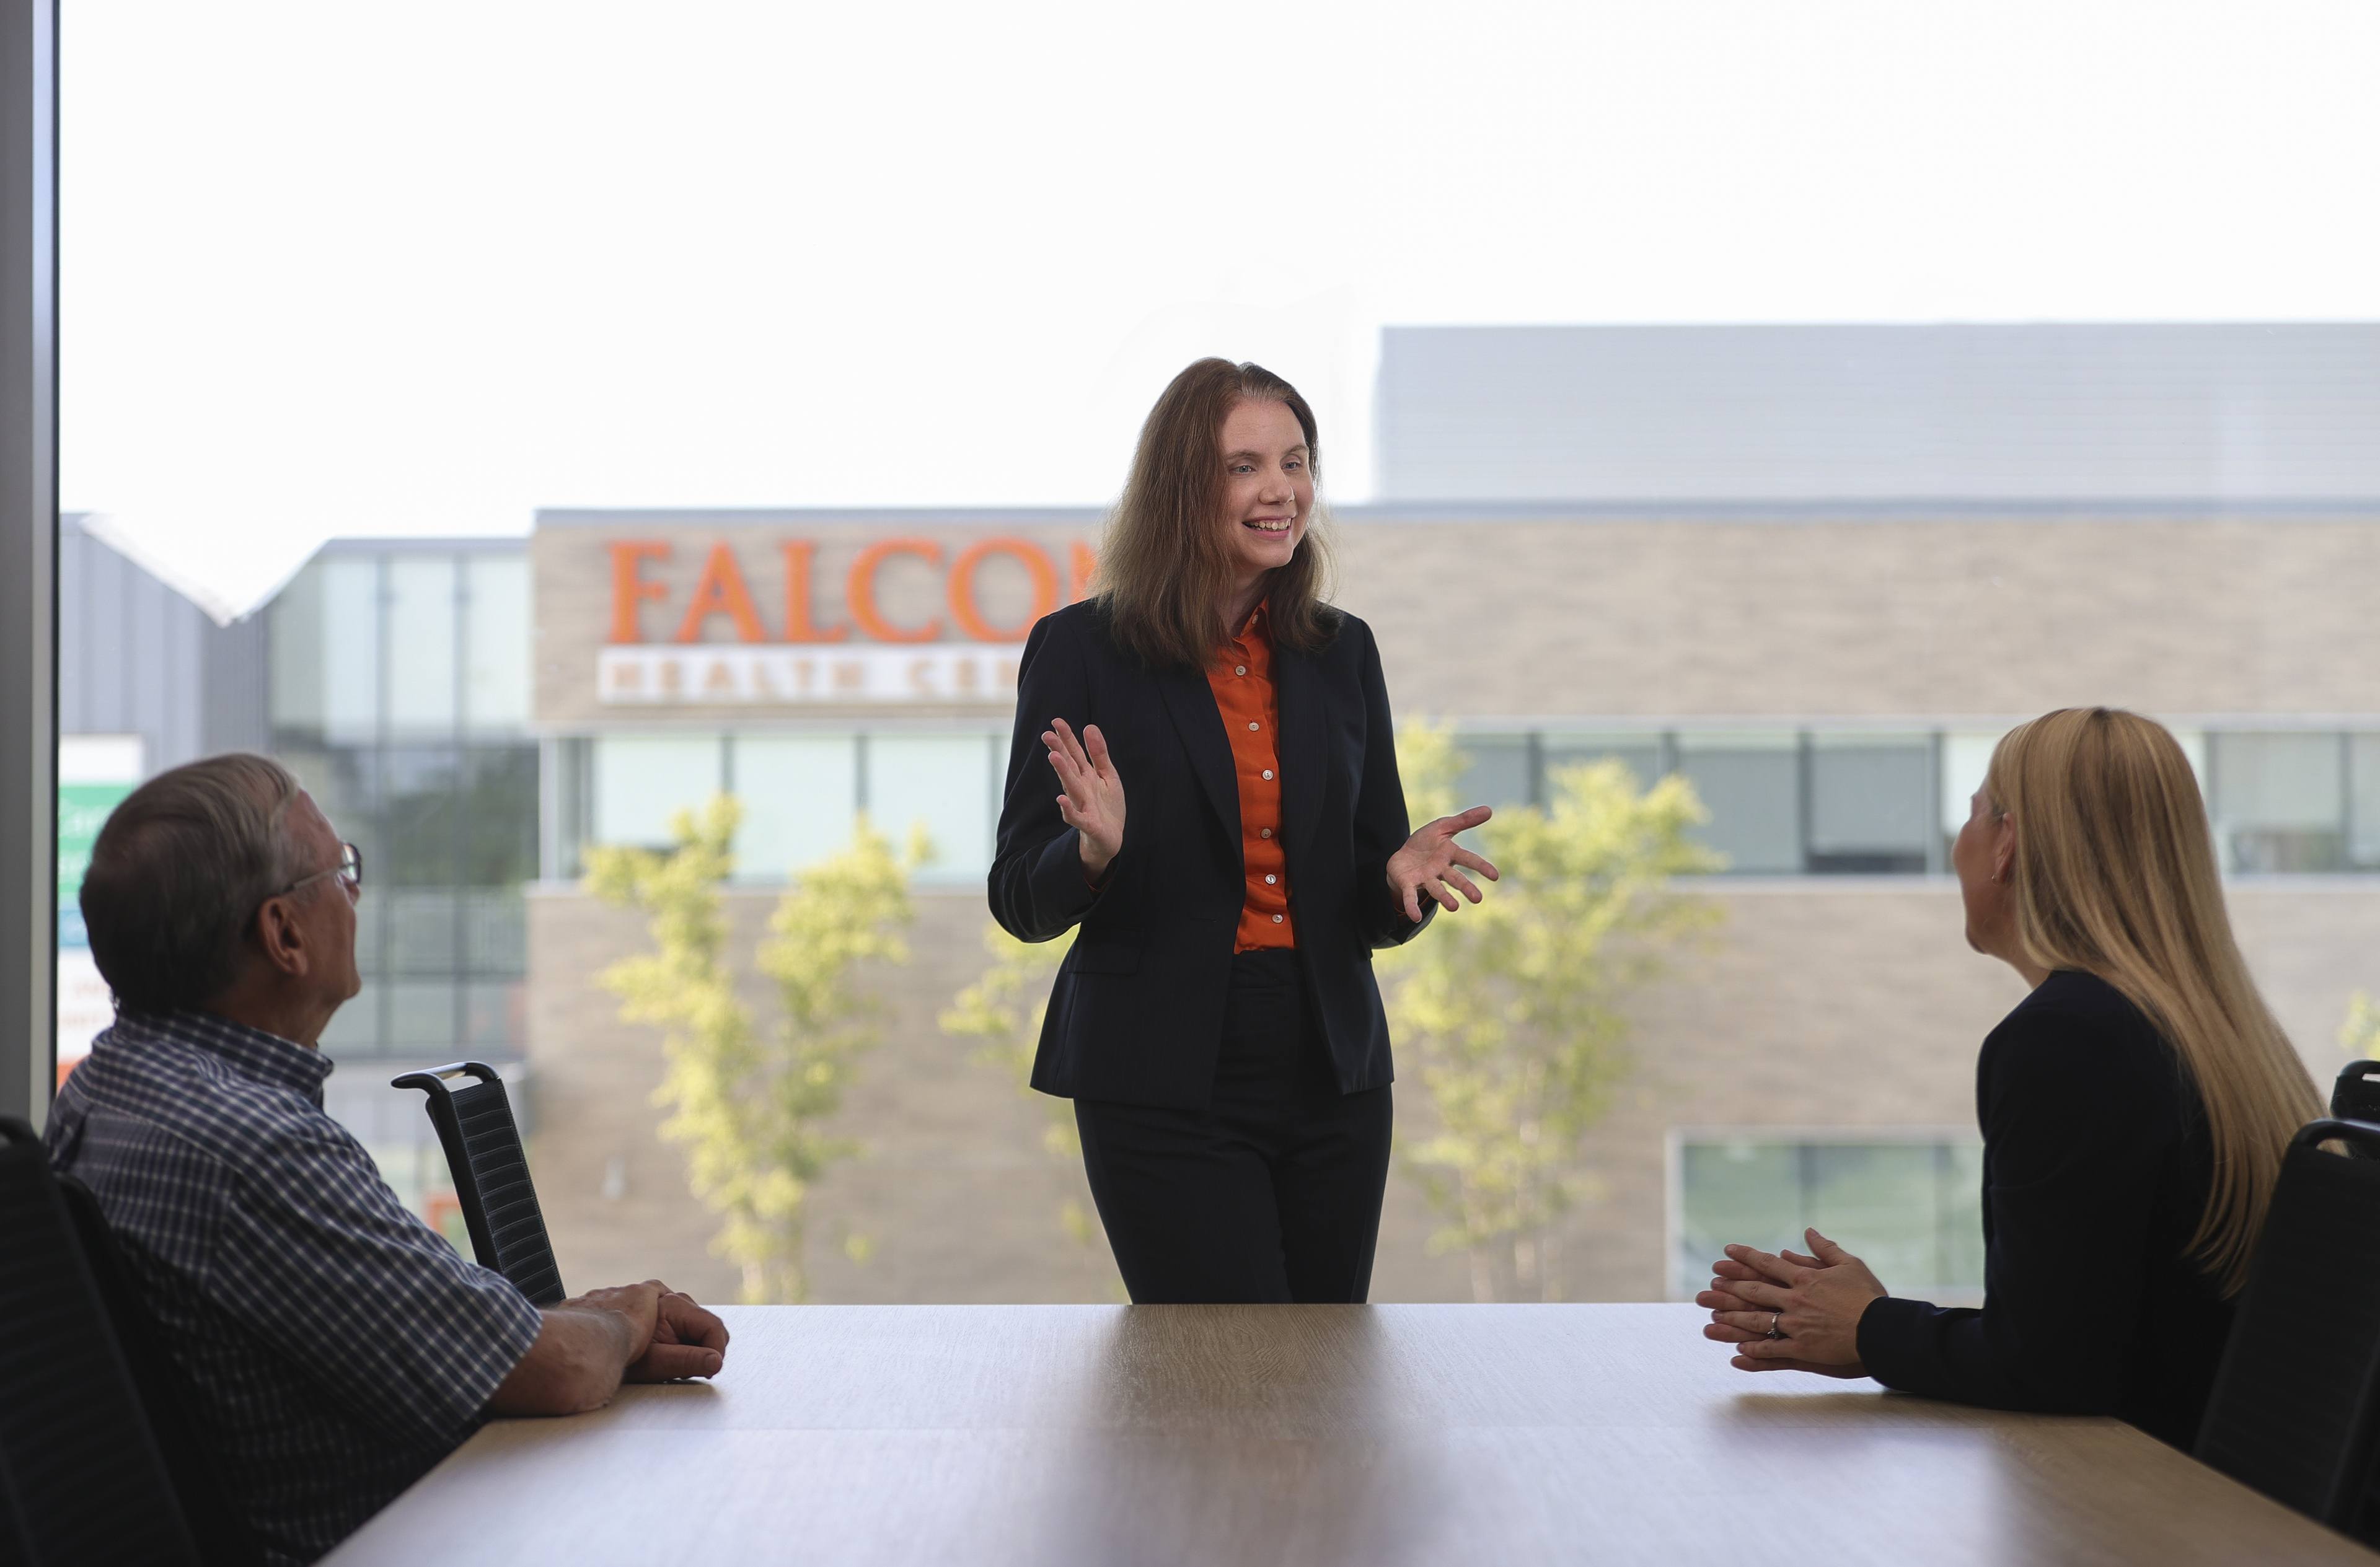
(800, 791)
(1870, 803)
(399, 695)
(1915, 1204)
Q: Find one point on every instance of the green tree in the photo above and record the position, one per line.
(1509, 1014)
(1003, 1009)
(752, 1111)
(2360, 1035)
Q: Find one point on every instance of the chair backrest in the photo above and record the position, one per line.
(166, 1395)
(483, 1152)
(81, 1479)
(2294, 1406)
(2356, 1097)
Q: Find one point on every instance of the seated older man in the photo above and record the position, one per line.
(337, 1347)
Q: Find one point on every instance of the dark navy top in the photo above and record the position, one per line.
(2096, 1166)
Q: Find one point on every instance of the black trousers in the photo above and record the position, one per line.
(1272, 1192)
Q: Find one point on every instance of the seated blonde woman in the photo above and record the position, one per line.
(2135, 1107)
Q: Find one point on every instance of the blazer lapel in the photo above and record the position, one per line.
(1302, 725)
(1192, 702)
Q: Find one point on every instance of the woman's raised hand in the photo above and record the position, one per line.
(1093, 801)
(1814, 1302)
(1428, 863)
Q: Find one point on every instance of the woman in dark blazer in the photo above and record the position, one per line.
(1216, 1023)
(2135, 1108)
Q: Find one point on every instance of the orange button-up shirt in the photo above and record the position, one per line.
(1242, 678)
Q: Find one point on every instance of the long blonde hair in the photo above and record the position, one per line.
(1165, 570)
(2115, 875)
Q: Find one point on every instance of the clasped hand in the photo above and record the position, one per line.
(1813, 1301)
(673, 1336)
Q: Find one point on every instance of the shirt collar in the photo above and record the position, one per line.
(266, 1057)
(1258, 623)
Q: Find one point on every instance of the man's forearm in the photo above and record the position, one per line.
(573, 1365)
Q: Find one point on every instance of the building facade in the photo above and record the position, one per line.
(1830, 681)
(1827, 570)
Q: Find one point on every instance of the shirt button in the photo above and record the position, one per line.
(1269, 880)
(1276, 919)
(1240, 670)
(1267, 771)
(1254, 725)
(1264, 832)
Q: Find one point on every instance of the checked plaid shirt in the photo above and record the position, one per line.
(337, 1347)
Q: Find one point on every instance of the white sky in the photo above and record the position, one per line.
(339, 268)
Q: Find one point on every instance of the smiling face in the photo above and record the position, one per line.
(1269, 485)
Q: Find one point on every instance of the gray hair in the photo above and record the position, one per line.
(178, 873)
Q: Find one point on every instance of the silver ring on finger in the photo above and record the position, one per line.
(1774, 1331)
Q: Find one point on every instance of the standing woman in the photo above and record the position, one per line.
(1216, 1023)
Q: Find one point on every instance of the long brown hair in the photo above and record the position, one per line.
(1165, 570)
(2115, 876)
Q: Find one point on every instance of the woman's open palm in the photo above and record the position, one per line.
(1093, 801)
(1432, 864)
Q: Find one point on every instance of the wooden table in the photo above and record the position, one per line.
(1303, 1434)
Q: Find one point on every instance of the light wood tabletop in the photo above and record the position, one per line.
(1056, 1435)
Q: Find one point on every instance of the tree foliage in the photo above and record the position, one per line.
(1508, 1012)
(1004, 1010)
(752, 1110)
(2360, 1035)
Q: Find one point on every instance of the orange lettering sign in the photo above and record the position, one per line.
(721, 591)
(862, 594)
(798, 626)
(963, 608)
(628, 586)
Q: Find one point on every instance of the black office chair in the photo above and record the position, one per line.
(2356, 1097)
(82, 1478)
(483, 1152)
(2296, 1406)
(165, 1394)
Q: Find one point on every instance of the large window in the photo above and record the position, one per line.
(1911, 1208)
(643, 782)
(1501, 770)
(1869, 796)
(1751, 784)
(1842, 803)
(2281, 801)
(1643, 755)
(800, 792)
(949, 784)
(775, 519)
(2364, 802)
(396, 691)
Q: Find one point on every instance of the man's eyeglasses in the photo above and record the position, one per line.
(349, 870)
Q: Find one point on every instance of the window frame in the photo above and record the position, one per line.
(1673, 1148)
(29, 565)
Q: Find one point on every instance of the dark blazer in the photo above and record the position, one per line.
(2096, 1166)
(1136, 1014)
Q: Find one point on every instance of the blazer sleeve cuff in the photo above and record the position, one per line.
(1062, 887)
(1389, 926)
(1890, 1339)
